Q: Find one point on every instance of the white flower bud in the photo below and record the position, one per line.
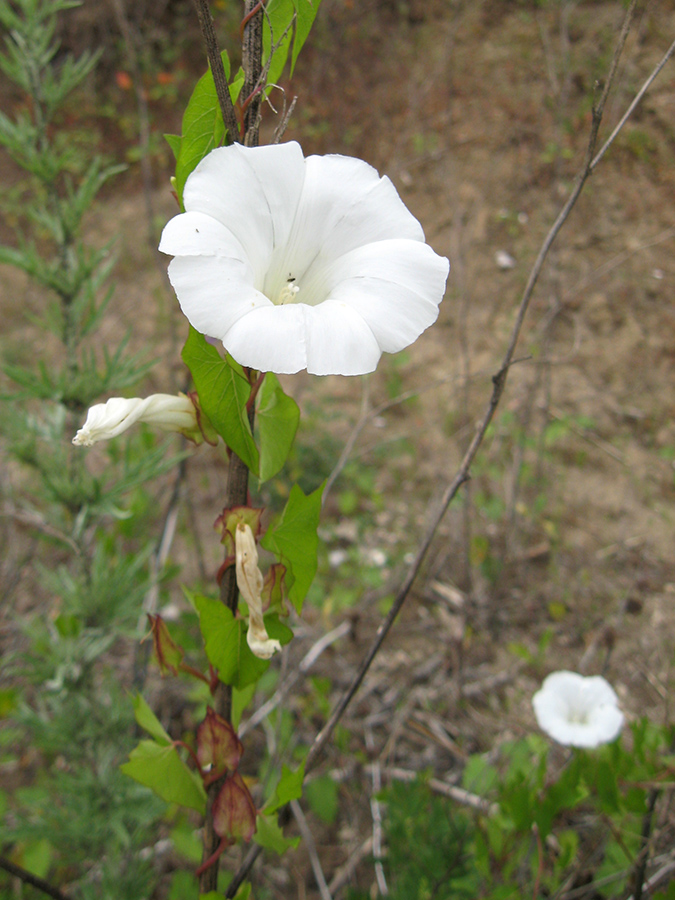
(171, 412)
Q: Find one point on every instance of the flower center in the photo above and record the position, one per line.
(288, 292)
(577, 717)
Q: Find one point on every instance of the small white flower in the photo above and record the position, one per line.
(250, 584)
(577, 711)
(167, 411)
(298, 263)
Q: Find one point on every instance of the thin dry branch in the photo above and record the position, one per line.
(311, 850)
(217, 69)
(28, 878)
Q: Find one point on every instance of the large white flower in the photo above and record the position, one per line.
(578, 711)
(298, 263)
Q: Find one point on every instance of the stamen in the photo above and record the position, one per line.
(288, 292)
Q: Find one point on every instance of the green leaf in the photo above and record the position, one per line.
(174, 141)
(288, 788)
(240, 700)
(37, 856)
(278, 29)
(149, 722)
(307, 10)
(278, 18)
(225, 642)
(187, 842)
(294, 539)
(278, 418)
(223, 392)
(604, 780)
(270, 836)
(322, 796)
(162, 770)
(203, 127)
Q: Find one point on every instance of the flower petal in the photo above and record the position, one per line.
(254, 191)
(395, 285)
(196, 234)
(344, 204)
(597, 692)
(214, 292)
(339, 341)
(270, 339)
(328, 339)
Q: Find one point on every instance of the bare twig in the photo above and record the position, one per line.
(459, 795)
(307, 662)
(286, 114)
(34, 520)
(643, 855)
(217, 69)
(376, 813)
(640, 94)
(311, 850)
(33, 880)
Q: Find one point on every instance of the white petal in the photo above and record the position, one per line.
(328, 339)
(196, 234)
(598, 692)
(344, 204)
(254, 191)
(270, 339)
(339, 341)
(395, 285)
(214, 292)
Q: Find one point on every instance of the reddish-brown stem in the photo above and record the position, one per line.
(191, 753)
(212, 862)
(237, 495)
(255, 387)
(247, 18)
(190, 670)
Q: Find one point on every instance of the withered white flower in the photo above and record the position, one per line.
(577, 711)
(171, 412)
(250, 584)
(298, 263)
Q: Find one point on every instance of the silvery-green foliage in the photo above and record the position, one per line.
(82, 578)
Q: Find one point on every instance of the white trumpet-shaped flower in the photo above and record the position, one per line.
(171, 412)
(298, 263)
(250, 584)
(577, 711)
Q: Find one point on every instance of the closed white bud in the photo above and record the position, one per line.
(171, 412)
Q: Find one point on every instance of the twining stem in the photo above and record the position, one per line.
(251, 63)
(217, 70)
(237, 481)
(237, 495)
